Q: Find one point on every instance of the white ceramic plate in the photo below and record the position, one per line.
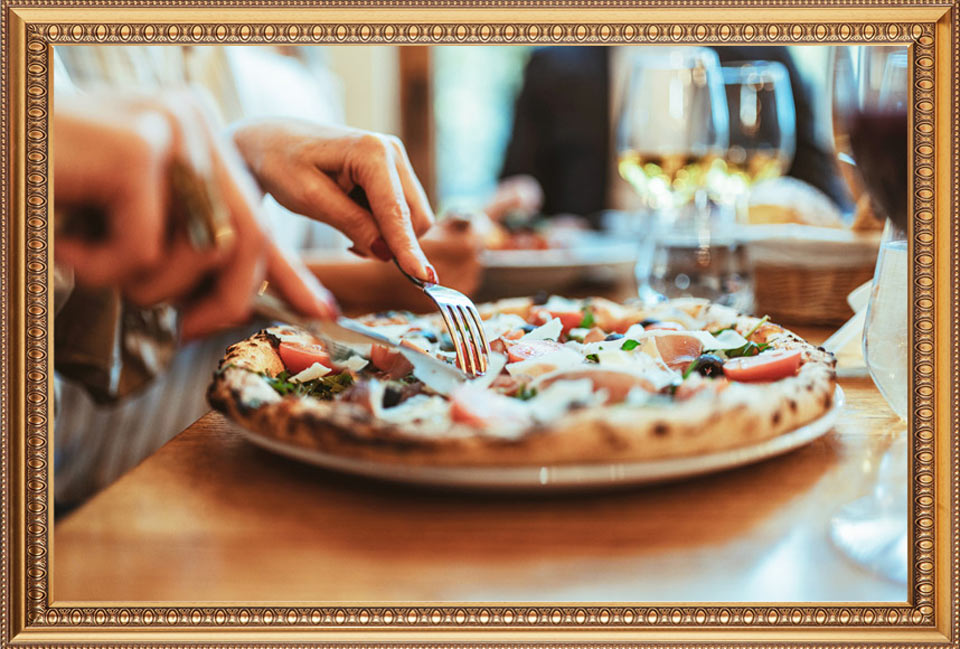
(564, 476)
(509, 273)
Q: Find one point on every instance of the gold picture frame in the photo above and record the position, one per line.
(30, 29)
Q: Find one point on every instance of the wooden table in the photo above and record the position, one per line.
(210, 517)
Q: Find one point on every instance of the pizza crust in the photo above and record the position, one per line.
(743, 414)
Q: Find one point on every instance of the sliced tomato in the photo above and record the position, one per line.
(678, 351)
(297, 357)
(527, 349)
(666, 326)
(768, 366)
(568, 319)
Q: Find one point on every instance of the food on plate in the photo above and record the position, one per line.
(517, 231)
(571, 381)
(789, 200)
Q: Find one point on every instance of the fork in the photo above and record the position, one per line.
(462, 321)
(459, 313)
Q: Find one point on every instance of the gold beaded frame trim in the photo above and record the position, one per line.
(29, 30)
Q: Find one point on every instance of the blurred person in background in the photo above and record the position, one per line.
(561, 157)
(129, 282)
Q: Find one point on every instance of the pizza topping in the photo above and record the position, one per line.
(503, 323)
(325, 387)
(749, 348)
(558, 398)
(727, 339)
(430, 413)
(354, 363)
(705, 365)
(389, 361)
(527, 349)
(543, 363)
(298, 356)
(481, 408)
(596, 334)
(549, 331)
(768, 366)
(615, 383)
(678, 351)
(762, 321)
(698, 385)
(668, 326)
(568, 319)
(315, 371)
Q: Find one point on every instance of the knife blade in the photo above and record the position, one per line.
(439, 376)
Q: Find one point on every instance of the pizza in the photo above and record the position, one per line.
(570, 381)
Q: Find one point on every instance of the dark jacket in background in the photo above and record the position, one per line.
(561, 127)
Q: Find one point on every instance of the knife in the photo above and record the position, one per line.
(439, 376)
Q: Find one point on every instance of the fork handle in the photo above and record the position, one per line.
(419, 282)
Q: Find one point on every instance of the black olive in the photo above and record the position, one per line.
(429, 335)
(648, 322)
(709, 365)
(392, 396)
(540, 298)
(613, 337)
(528, 327)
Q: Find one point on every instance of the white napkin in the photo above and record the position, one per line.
(845, 343)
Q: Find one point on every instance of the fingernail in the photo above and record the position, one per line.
(380, 248)
(432, 274)
(357, 252)
(330, 310)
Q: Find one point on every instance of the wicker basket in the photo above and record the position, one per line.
(803, 274)
(815, 296)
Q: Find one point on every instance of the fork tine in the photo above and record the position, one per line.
(478, 322)
(454, 336)
(466, 340)
(479, 352)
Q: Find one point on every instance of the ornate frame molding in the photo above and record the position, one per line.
(31, 27)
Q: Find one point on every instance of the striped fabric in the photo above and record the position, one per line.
(94, 444)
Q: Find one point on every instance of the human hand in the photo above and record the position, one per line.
(361, 285)
(114, 154)
(515, 194)
(310, 169)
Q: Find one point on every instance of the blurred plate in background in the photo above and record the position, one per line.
(594, 260)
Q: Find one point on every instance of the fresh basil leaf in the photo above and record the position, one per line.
(593, 358)
(326, 387)
(588, 319)
(748, 349)
(759, 324)
(525, 394)
(630, 345)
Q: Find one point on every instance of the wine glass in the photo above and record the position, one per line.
(763, 129)
(672, 130)
(873, 529)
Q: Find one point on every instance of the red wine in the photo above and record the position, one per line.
(879, 144)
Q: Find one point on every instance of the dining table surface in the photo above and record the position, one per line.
(211, 517)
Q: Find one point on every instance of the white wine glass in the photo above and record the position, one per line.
(873, 530)
(763, 129)
(672, 130)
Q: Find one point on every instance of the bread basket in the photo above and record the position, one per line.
(803, 274)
